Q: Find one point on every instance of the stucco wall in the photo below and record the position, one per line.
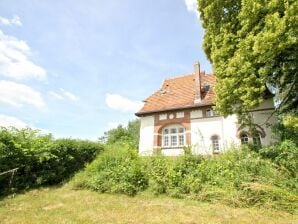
(203, 129)
(146, 135)
(200, 128)
(264, 118)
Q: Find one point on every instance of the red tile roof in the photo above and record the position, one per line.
(180, 92)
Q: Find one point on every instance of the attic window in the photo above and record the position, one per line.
(206, 87)
(163, 91)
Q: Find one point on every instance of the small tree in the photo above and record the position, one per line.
(129, 134)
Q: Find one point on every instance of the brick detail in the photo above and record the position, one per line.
(160, 124)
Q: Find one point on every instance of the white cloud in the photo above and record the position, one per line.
(9, 121)
(15, 59)
(69, 95)
(56, 95)
(18, 95)
(192, 6)
(122, 104)
(9, 22)
(63, 94)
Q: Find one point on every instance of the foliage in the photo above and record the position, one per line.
(253, 46)
(230, 178)
(115, 171)
(285, 155)
(41, 159)
(129, 134)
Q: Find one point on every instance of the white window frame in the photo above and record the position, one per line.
(173, 135)
(215, 143)
(244, 140)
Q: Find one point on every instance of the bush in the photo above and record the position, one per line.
(114, 171)
(237, 177)
(41, 159)
(284, 155)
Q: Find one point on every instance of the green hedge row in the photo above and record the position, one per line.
(40, 159)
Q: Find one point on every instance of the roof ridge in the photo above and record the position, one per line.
(180, 76)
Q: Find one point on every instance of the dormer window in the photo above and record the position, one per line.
(206, 87)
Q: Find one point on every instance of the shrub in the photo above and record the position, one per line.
(41, 159)
(158, 169)
(114, 171)
(284, 155)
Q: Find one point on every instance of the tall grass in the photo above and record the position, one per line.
(237, 177)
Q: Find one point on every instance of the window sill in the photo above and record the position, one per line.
(173, 147)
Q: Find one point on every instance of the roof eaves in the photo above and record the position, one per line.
(139, 114)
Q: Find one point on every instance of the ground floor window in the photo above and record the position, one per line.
(244, 138)
(256, 139)
(173, 136)
(215, 143)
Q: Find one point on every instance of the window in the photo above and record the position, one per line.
(244, 138)
(173, 136)
(256, 139)
(210, 113)
(179, 114)
(215, 143)
(162, 117)
(206, 87)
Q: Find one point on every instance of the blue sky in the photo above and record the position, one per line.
(79, 68)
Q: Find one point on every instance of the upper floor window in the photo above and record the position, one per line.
(210, 113)
(173, 136)
(244, 138)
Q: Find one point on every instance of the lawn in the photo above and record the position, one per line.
(65, 205)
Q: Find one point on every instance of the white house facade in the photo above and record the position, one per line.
(180, 115)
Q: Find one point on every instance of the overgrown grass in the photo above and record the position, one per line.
(239, 178)
(64, 205)
(114, 171)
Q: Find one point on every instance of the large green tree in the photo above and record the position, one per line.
(253, 47)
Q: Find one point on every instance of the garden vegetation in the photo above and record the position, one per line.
(239, 177)
(40, 159)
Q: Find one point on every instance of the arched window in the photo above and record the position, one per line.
(215, 143)
(256, 139)
(244, 138)
(173, 136)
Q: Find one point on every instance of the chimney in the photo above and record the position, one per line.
(197, 72)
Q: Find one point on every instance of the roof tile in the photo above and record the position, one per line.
(180, 92)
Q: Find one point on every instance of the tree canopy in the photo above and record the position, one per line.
(253, 47)
(129, 134)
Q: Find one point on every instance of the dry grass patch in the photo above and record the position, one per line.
(64, 205)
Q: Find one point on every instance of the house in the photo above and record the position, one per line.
(180, 114)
